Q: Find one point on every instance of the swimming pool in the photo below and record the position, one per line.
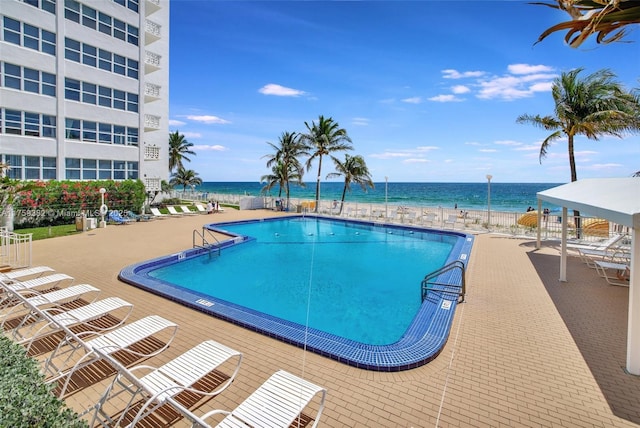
(350, 290)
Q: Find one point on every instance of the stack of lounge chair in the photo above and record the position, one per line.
(81, 339)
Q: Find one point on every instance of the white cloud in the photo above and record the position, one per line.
(528, 69)
(416, 160)
(529, 147)
(280, 91)
(601, 166)
(209, 148)
(487, 150)
(426, 148)
(508, 143)
(412, 100)
(360, 121)
(390, 155)
(192, 135)
(455, 74)
(445, 98)
(460, 89)
(208, 119)
(173, 122)
(472, 143)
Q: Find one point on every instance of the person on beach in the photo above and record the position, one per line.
(209, 207)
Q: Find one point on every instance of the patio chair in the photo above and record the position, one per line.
(50, 328)
(25, 272)
(138, 217)
(159, 397)
(185, 210)
(8, 287)
(610, 250)
(173, 212)
(201, 209)
(605, 268)
(115, 217)
(157, 214)
(428, 218)
(451, 221)
(74, 364)
(278, 402)
(65, 298)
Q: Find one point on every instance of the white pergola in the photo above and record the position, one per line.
(617, 200)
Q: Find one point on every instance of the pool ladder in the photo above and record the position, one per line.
(200, 241)
(448, 280)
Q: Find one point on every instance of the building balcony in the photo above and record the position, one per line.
(151, 92)
(152, 184)
(151, 153)
(151, 122)
(152, 32)
(151, 62)
(152, 6)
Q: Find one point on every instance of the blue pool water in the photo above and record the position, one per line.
(320, 283)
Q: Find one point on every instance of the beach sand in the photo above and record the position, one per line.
(524, 349)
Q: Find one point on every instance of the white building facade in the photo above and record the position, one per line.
(84, 89)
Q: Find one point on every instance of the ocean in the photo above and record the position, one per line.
(514, 197)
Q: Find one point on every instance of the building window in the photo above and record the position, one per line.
(46, 5)
(105, 133)
(89, 131)
(29, 80)
(101, 22)
(132, 136)
(89, 93)
(72, 10)
(89, 16)
(28, 36)
(27, 123)
(12, 76)
(13, 122)
(15, 162)
(71, 89)
(89, 54)
(32, 167)
(89, 169)
(49, 168)
(105, 96)
(104, 170)
(72, 50)
(72, 169)
(119, 171)
(32, 124)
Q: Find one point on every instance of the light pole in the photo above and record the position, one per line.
(103, 208)
(489, 177)
(386, 207)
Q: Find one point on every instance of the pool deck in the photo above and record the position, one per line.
(525, 350)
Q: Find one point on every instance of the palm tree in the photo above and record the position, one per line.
(185, 177)
(324, 138)
(354, 170)
(593, 107)
(609, 19)
(179, 148)
(285, 159)
(281, 175)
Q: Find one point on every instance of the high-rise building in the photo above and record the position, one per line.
(84, 89)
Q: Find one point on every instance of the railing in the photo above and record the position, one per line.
(203, 242)
(431, 284)
(15, 248)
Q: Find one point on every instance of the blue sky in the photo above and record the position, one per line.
(428, 91)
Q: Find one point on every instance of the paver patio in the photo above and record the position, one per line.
(524, 351)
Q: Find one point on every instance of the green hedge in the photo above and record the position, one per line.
(25, 400)
(59, 202)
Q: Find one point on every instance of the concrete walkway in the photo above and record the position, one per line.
(524, 351)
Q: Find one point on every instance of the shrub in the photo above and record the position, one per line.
(25, 400)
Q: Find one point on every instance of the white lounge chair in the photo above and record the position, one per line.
(451, 221)
(279, 402)
(25, 272)
(65, 297)
(174, 212)
(187, 381)
(605, 268)
(428, 218)
(74, 363)
(157, 214)
(9, 286)
(84, 318)
(201, 208)
(185, 210)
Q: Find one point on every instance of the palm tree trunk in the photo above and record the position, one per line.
(344, 193)
(318, 183)
(574, 177)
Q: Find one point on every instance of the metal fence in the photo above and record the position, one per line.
(15, 248)
(506, 222)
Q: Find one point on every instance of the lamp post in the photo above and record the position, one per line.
(489, 177)
(103, 207)
(386, 207)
